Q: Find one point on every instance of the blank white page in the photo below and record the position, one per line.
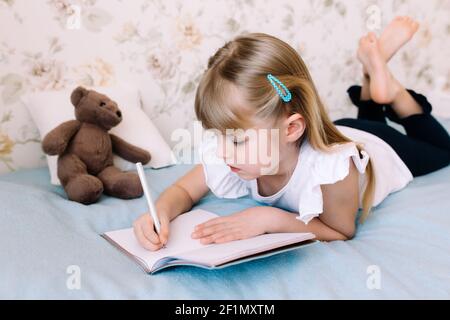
(180, 239)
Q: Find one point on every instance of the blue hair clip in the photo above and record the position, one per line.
(286, 97)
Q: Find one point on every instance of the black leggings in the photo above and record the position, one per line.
(425, 147)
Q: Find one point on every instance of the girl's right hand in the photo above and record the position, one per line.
(146, 234)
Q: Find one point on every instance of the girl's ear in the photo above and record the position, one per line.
(295, 127)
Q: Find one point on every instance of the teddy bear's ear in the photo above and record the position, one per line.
(77, 94)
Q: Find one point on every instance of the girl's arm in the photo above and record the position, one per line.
(337, 222)
(283, 221)
(254, 221)
(183, 194)
(176, 199)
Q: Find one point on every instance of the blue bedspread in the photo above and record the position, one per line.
(406, 242)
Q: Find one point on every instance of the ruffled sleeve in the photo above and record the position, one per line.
(327, 168)
(222, 182)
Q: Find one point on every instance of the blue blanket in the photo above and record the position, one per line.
(402, 251)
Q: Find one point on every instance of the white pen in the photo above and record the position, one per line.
(148, 196)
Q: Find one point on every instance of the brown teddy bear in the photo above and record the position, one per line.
(85, 151)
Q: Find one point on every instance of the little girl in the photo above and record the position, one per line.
(325, 171)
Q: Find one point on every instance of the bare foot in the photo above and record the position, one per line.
(383, 87)
(396, 35)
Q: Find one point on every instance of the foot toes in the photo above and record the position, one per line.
(372, 37)
(363, 41)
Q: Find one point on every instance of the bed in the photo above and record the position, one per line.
(401, 252)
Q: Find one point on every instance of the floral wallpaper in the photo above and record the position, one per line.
(162, 47)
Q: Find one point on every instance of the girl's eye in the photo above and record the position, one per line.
(102, 104)
(238, 142)
(235, 140)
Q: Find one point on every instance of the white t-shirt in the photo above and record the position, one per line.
(302, 194)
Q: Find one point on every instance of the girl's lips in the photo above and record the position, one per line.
(234, 169)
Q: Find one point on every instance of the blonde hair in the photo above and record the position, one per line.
(244, 63)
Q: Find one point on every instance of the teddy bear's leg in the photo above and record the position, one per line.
(124, 185)
(78, 184)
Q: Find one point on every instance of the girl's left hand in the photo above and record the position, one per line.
(241, 225)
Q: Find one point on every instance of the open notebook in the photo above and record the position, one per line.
(181, 249)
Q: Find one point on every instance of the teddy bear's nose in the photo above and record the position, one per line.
(119, 114)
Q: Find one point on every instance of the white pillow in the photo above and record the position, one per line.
(51, 108)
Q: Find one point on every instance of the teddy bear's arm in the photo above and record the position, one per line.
(128, 151)
(55, 142)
